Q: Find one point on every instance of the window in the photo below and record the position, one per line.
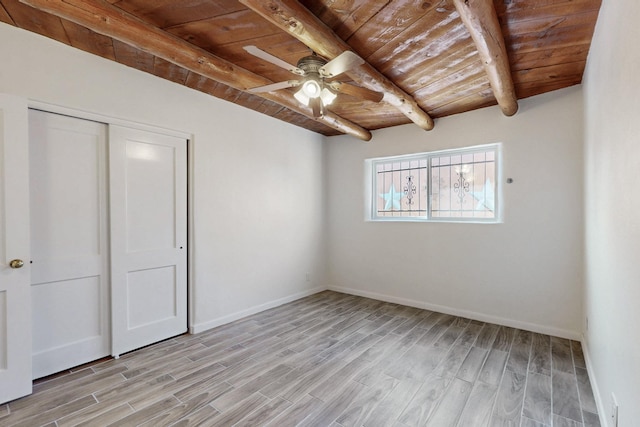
(452, 185)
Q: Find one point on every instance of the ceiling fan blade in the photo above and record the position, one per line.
(257, 52)
(316, 106)
(357, 91)
(275, 86)
(341, 63)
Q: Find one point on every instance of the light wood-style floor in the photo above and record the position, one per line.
(327, 360)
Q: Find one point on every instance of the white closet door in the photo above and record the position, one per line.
(70, 281)
(148, 188)
(15, 293)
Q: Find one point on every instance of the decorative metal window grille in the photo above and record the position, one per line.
(458, 185)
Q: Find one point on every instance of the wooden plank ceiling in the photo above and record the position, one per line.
(421, 46)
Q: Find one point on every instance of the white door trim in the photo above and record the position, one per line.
(110, 120)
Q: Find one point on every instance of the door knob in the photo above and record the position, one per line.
(16, 263)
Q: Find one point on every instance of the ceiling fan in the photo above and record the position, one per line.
(317, 89)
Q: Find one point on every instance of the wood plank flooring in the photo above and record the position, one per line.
(327, 360)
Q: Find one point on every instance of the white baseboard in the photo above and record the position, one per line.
(604, 420)
(542, 329)
(204, 326)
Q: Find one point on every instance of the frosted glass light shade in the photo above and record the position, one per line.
(311, 88)
(327, 96)
(300, 96)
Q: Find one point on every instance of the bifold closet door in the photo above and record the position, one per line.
(148, 196)
(69, 242)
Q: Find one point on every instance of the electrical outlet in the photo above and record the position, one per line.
(308, 277)
(614, 411)
(586, 323)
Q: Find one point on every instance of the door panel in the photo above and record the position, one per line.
(152, 296)
(15, 293)
(70, 281)
(148, 197)
(150, 182)
(50, 301)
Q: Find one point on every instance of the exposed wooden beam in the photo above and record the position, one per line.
(293, 17)
(104, 18)
(481, 19)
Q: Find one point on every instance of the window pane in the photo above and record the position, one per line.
(401, 188)
(465, 188)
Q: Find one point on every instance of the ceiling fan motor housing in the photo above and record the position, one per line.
(311, 64)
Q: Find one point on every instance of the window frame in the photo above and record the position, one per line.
(372, 187)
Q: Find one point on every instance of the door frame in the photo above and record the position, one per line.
(189, 137)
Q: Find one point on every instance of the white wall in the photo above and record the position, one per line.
(612, 151)
(526, 272)
(258, 189)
